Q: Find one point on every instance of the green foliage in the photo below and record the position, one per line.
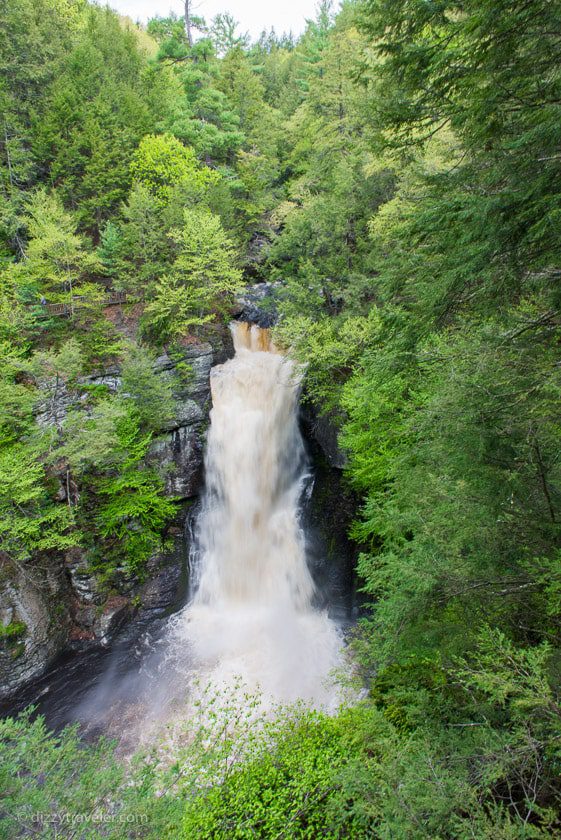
(447, 405)
(400, 690)
(16, 404)
(329, 347)
(202, 281)
(206, 257)
(278, 791)
(162, 163)
(47, 779)
(469, 438)
(479, 755)
(96, 111)
(223, 33)
(124, 512)
(30, 522)
(338, 184)
(150, 392)
(176, 308)
(64, 363)
(139, 251)
(33, 38)
(13, 630)
(108, 250)
(214, 129)
(131, 515)
(57, 261)
(471, 742)
(108, 437)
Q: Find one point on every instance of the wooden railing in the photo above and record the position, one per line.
(78, 301)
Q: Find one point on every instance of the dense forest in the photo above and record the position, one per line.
(395, 172)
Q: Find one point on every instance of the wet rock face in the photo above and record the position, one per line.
(35, 613)
(83, 583)
(328, 511)
(324, 430)
(53, 608)
(178, 450)
(257, 305)
(115, 614)
(180, 455)
(53, 409)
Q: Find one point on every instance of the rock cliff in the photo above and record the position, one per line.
(59, 602)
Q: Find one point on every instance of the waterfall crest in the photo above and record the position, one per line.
(251, 618)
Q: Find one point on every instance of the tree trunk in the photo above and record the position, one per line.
(187, 18)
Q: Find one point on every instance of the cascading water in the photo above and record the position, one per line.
(251, 619)
(250, 627)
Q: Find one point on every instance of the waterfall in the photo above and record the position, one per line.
(249, 639)
(251, 619)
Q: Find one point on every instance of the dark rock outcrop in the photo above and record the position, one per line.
(178, 450)
(323, 428)
(257, 305)
(179, 455)
(35, 604)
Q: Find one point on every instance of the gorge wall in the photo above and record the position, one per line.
(59, 602)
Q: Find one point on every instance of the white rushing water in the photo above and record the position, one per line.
(251, 619)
